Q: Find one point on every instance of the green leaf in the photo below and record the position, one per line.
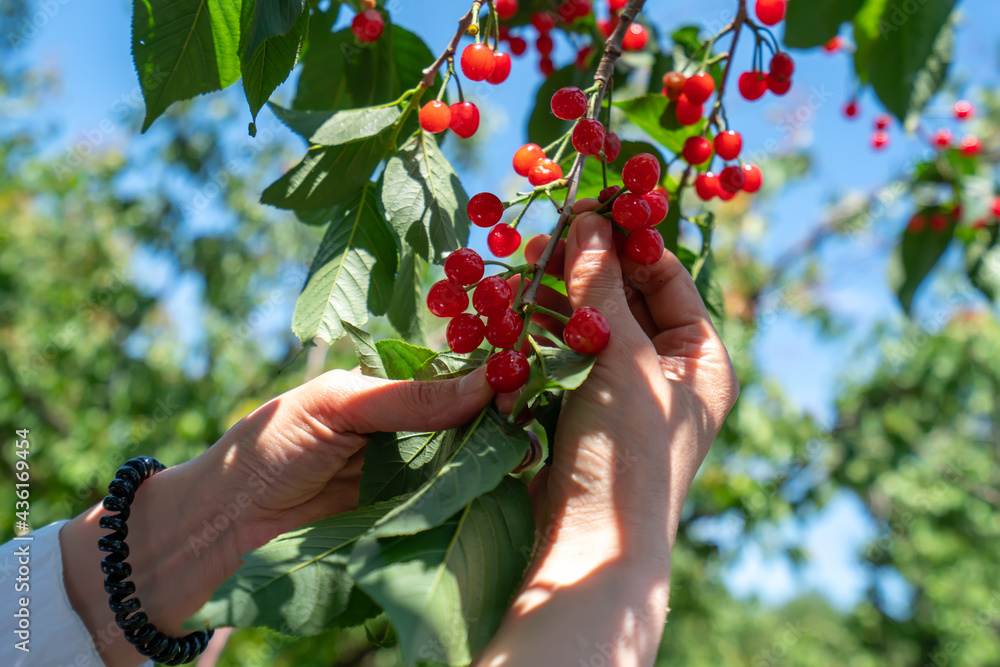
(655, 115)
(402, 359)
(469, 461)
(445, 590)
(670, 227)
(687, 38)
(982, 262)
(398, 463)
(446, 365)
(407, 296)
(909, 62)
(703, 273)
(866, 33)
(364, 347)
(336, 128)
(424, 201)
(915, 256)
(553, 368)
(328, 175)
(271, 36)
(339, 73)
(662, 64)
(356, 257)
(182, 49)
(297, 583)
(810, 23)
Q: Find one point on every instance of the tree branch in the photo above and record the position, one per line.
(605, 71)
(449, 52)
(741, 17)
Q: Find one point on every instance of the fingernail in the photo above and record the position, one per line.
(473, 382)
(593, 233)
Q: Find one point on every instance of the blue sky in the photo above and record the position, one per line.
(91, 51)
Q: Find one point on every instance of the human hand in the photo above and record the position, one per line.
(294, 460)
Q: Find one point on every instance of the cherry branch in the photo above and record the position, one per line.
(737, 25)
(449, 52)
(605, 70)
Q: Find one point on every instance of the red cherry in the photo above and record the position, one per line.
(917, 224)
(644, 246)
(503, 240)
(641, 173)
(587, 331)
(501, 68)
(880, 139)
(491, 296)
(544, 44)
(731, 179)
(368, 25)
(464, 119)
(782, 65)
(942, 139)
(546, 66)
(834, 44)
(996, 207)
(464, 266)
(485, 209)
(963, 109)
(673, 85)
(607, 27)
(569, 103)
(612, 146)
(724, 194)
(570, 10)
(636, 38)
(687, 112)
(882, 121)
(465, 333)
(582, 56)
(770, 12)
(446, 298)
(588, 136)
(706, 185)
(526, 157)
(728, 144)
(543, 22)
(939, 223)
(699, 88)
(631, 211)
(776, 85)
(696, 150)
(507, 371)
(754, 178)
(970, 146)
(478, 62)
(752, 85)
(609, 192)
(658, 207)
(851, 109)
(504, 329)
(517, 46)
(616, 5)
(435, 116)
(505, 8)
(544, 172)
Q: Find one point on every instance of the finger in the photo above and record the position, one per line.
(593, 272)
(671, 295)
(585, 205)
(362, 404)
(533, 252)
(637, 305)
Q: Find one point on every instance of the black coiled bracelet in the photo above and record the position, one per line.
(139, 632)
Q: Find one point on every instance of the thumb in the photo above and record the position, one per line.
(348, 402)
(593, 273)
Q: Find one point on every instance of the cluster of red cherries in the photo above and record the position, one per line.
(587, 331)
(943, 139)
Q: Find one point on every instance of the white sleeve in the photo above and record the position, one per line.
(41, 626)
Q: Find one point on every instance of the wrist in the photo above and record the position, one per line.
(174, 568)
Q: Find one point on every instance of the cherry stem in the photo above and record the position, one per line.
(520, 214)
(449, 52)
(737, 25)
(603, 76)
(606, 206)
(473, 28)
(535, 308)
